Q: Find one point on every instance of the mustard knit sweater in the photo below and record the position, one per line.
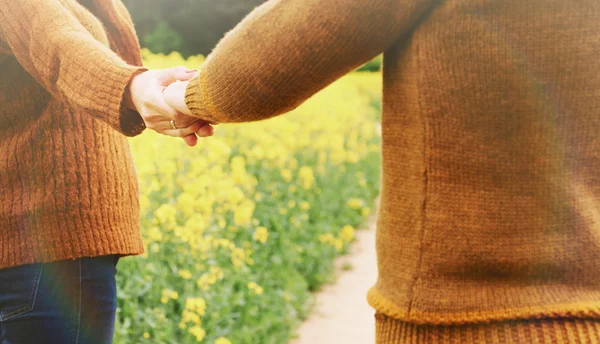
(489, 225)
(67, 180)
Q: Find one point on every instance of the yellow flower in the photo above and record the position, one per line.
(217, 272)
(189, 316)
(261, 234)
(306, 177)
(222, 340)
(365, 211)
(196, 304)
(154, 234)
(238, 257)
(347, 233)
(146, 335)
(353, 157)
(236, 195)
(185, 274)
(165, 215)
(355, 203)
(168, 294)
(243, 213)
(326, 238)
(185, 202)
(238, 163)
(286, 175)
(198, 332)
(202, 283)
(255, 288)
(304, 205)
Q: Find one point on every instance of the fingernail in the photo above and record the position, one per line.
(191, 71)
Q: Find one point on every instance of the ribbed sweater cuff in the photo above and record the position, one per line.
(542, 331)
(199, 103)
(110, 88)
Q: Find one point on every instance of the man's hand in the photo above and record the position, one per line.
(145, 95)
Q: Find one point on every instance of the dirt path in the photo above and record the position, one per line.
(341, 313)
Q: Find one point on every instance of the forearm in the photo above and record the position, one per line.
(51, 44)
(287, 50)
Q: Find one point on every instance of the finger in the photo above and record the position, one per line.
(183, 132)
(206, 131)
(166, 113)
(168, 76)
(191, 140)
(158, 104)
(174, 96)
(153, 120)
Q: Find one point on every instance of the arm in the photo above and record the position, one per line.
(287, 50)
(51, 44)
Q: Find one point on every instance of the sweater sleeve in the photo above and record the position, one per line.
(287, 50)
(53, 46)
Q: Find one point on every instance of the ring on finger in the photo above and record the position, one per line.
(172, 123)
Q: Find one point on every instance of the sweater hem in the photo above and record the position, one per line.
(576, 310)
(541, 331)
(71, 256)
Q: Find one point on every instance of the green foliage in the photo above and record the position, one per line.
(372, 66)
(163, 39)
(199, 23)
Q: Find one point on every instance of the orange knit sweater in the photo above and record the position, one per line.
(68, 182)
(489, 224)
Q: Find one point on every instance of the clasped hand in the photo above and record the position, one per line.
(145, 95)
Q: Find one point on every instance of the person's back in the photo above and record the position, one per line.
(489, 225)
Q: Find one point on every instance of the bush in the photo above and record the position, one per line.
(163, 39)
(372, 66)
(242, 227)
(199, 23)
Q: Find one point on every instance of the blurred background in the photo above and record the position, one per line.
(243, 229)
(164, 28)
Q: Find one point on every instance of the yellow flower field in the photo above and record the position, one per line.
(240, 229)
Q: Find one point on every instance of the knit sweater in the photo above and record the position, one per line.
(489, 224)
(69, 185)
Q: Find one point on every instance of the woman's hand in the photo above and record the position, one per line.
(174, 95)
(145, 95)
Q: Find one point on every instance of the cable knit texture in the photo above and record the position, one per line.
(69, 186)
(489, 224)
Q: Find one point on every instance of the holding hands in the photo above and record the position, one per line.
(147, 94)
(174, 95)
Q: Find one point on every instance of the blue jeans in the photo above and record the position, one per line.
(64, 302)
